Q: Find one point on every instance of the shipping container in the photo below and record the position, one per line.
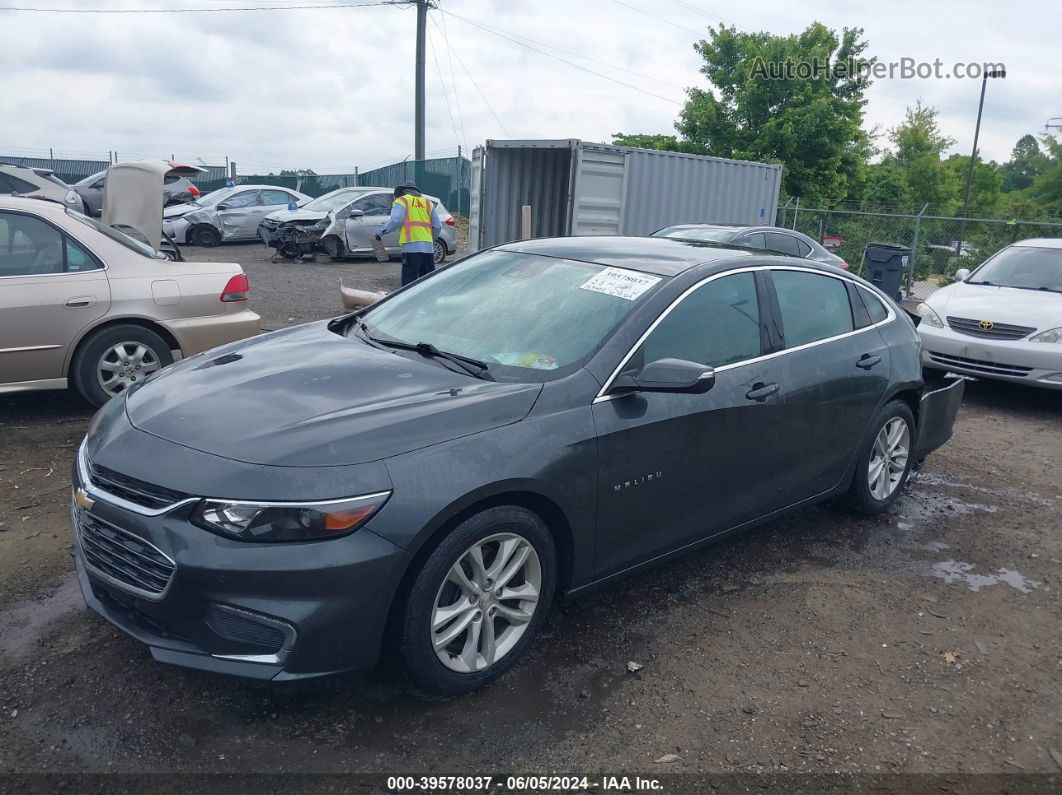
(579, 188)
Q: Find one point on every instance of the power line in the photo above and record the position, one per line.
(659, 19)
(199, 10)
(442, 84)
(562, 60)
(453, 82)
(478, 89)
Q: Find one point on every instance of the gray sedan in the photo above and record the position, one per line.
(176, 189)
(767, 238)
(230, 213)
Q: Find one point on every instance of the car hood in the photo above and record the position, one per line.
(309, 397)
(1036, 308)
(177, 210)
(284, 216)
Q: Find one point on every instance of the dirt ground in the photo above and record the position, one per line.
(925, 640)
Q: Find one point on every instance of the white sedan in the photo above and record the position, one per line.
(1002, 321)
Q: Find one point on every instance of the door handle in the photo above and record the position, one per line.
(80, 302)
(760, 391)
(866, 361)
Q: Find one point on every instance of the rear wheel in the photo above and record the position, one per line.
(478, 601)
(440, 252)
(885, 461)
(113, 360)
(204, 235)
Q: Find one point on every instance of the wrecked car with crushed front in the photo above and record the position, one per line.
(426, 475)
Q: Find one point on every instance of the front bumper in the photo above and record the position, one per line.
(176, 228)
(270, 612)
(1018, 361)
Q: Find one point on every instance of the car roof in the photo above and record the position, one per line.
(31, 204)
(1040, 242)
(661, 256)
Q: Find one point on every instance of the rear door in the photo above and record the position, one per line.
(835, 370)
(51, 288)
(675, 468)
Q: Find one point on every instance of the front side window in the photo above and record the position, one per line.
(784, 244)
(716, 325)
(753, 240)
(377, 204)
(247, 198)
(813, 307)
(529, 317)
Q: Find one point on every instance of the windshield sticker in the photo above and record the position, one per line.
(534, 361)
(620, 283)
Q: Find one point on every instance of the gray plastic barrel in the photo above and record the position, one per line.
(885, 264)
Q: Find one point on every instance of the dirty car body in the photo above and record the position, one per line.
(581, 407)
(228, 214)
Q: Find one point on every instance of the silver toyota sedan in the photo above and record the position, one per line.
(227, 214)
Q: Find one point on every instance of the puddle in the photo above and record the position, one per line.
(956, 571)
(23, 623)
(938, 479)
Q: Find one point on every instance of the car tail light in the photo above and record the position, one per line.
(449, 221)
(236, 289)
(192, 189)
(845, 266)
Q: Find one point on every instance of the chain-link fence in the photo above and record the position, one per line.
(939, 245)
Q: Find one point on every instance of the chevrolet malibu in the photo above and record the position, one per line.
(427, 475)
(1003, 321)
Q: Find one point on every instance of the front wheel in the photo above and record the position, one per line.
(478, 601)
(333, 247)
(205, 235)
(885, 461)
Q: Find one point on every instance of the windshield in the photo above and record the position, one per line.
(713, 234)
(118, 237)
(214, 197)
(1023, 266)
(331, 201)
(529, 317)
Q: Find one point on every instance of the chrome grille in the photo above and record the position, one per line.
(132, 489)
(998, 331)
(980, 365)
(121, 556)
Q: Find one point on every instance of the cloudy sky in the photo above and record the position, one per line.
(331, 88)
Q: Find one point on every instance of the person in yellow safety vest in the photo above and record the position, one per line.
(418, 218)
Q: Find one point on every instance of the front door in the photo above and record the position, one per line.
(675, 468)
(240, 214)
(50, 289)
(375, 209)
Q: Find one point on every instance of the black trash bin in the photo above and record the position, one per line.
(885, 264)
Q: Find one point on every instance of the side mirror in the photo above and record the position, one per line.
(669, 375)
(962, 274)
(355, 213)
(222, 207)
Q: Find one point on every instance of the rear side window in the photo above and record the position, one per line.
(875, 308)
(785, 244)
(31, 247)
(813, 307)
(12, 184)
(271, 197)
(715, 325)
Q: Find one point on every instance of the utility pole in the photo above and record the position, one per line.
(1049, 125)
(973, 156)
(422, 24)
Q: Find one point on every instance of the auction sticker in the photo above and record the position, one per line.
(620, 283)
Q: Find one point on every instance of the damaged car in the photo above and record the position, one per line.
(342, 224)
(228, 214)
(534, 421)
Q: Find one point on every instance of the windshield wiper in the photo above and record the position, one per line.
(990, 284)
(473, 367)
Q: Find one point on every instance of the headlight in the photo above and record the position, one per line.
(929, 317)
(1051, 335)
(287, 521)
(321, 225)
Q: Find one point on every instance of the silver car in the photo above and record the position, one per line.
(767, 238)
(176, 189)
(230, 213)
(345, 221)
(37, 183)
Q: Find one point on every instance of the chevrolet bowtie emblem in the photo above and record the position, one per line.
(83, 500)
(986, 325)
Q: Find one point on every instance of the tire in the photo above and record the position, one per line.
(440, 252)
(333, 247)
(424, 624)
(204, 235)
(869, 494)
(92, 371)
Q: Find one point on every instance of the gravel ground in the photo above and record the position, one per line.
(925, 640)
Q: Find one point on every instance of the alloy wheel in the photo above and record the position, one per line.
(486, 602)
(440, 252)
(888, 458)
(124, 365)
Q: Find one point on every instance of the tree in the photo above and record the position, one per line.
(1046, 188)
(886, 188)
(919, 136)
(984, 187)
(649, 141)
(797, 100)
(1026, 163)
